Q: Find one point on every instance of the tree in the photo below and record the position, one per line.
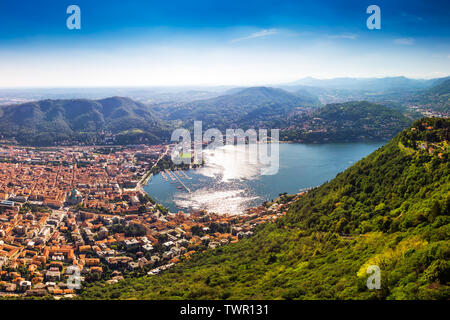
(435, 210)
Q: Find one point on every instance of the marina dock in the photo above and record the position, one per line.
(176, 177)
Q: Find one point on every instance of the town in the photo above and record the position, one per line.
(84, 208)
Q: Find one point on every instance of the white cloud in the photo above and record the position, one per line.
(404, 41)
(412, 17)
(343, 36)
(259, 34)
(439, 74)
(216, 63)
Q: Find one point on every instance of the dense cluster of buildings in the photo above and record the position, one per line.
(428, 110)
(100, 178)
(73, 215)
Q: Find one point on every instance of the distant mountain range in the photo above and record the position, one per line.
(73, 121)
(50, 122)
(245, 106)
(441, 87)
(395, 92)
(372, 84)
(345, 122)
(436, 97)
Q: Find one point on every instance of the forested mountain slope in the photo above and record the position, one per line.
(49, 122)
(390, 209)
(437, 97)
(348, 121)
(245, 108)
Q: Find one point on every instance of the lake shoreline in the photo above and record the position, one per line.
(225, 185)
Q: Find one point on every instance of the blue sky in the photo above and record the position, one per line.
(140, 43)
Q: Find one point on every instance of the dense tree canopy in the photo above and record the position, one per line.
(390, 209)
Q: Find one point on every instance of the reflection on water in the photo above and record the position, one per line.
(230, 201)
(226, 171)
(231, 163)
(231, 181)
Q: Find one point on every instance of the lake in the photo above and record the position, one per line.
(230, 183)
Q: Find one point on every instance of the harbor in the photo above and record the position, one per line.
(176, 178)
(225, 185)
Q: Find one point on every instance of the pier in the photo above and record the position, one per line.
(170, 174)
(176, 176)
(181, 182)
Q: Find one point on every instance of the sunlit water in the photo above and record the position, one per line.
(231, 181)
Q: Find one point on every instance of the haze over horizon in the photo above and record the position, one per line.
(204, 43)
(213, 87)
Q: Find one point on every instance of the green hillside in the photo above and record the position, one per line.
(390, 209)
(349, 121)
(437, 97)
(442, 87)
(49, 122)
(245, 108)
